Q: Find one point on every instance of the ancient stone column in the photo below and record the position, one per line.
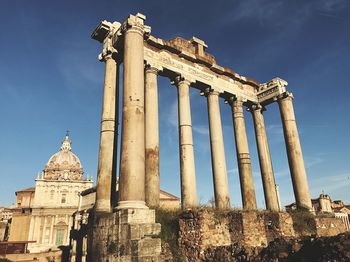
(106, 150)
(152, 186)
(187, 166)
(268, 179)
(295, 156)
(243, 157)
(132, 159)
(221, 192)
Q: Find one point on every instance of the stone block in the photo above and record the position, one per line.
(149, 247)
(137, 216)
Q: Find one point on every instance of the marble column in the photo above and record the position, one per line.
(294, 153)
(243, 157)
(221, 192)
(187, 165)
(132, 158)
(268, 179)
(106, 150)
(152, 183)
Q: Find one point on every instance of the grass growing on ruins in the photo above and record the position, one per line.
(169, 219)
(303, 221)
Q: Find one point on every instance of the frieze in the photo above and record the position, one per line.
(195, 72)
(268, 92)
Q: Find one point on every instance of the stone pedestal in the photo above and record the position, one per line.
(127, 235)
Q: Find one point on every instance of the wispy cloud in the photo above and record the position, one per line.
(334, 185)
(274, 129)
(313, 161)
(202, 130)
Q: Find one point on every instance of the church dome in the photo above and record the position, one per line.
(64, 165)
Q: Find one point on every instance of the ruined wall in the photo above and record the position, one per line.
(329, 226)
(204, 233)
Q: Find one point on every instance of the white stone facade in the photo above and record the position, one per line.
(56, 198)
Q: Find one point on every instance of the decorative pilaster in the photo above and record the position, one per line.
(132, 159)
(152, 183)
(221, 192)
(294, 152)
(268, 179)
(187, 165)
(243, 157)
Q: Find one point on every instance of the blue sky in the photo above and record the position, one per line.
(51, 81)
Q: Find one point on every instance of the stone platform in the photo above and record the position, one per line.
(202, 231)
(125, 235)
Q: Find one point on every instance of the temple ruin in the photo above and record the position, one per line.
(129, 218)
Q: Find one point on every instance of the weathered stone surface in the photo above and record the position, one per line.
(211, 235)
(126, 235)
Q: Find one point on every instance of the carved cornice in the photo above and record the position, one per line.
(271, 89)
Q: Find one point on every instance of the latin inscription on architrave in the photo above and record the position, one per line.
(193, 73)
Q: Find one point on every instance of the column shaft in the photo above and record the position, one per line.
(243, 157)
(221, 192)
(106, 150)
(152, 139)
(187, 165)
(294, 153)
(268, 179)
(132, 160)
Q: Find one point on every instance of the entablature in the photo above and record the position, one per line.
(189, 59)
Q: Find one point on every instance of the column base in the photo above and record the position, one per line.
(103, 206)
(131, 204)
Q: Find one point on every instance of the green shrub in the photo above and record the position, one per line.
(169, 220)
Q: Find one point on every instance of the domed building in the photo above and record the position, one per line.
(43, 214)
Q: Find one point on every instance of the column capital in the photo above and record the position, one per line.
(152, 68)
(104, 33)
(108, 51)
(181, 80)
(209, 91)
(135, 23)
(256, 107)
(235, 100)
(285, 95)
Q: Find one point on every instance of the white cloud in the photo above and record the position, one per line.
(202, 130)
